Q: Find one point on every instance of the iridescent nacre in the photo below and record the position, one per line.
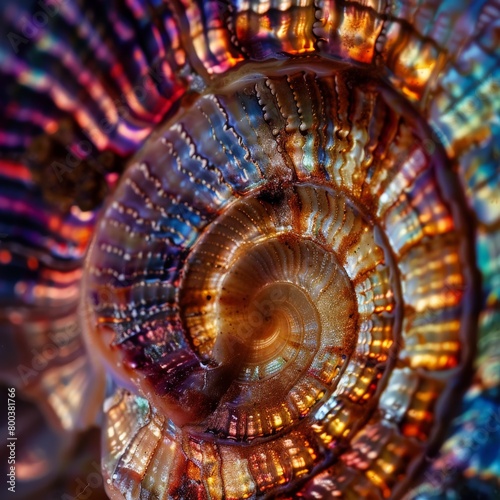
(279, 222)
(282, 262)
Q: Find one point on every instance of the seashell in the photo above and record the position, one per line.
(276, 247)
(264, 292)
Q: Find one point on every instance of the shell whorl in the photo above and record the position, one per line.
(255, 280)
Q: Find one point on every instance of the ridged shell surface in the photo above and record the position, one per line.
(268, 232)
(263, 289)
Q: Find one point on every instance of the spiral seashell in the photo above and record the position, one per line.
(291, 285)
(269, 301)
